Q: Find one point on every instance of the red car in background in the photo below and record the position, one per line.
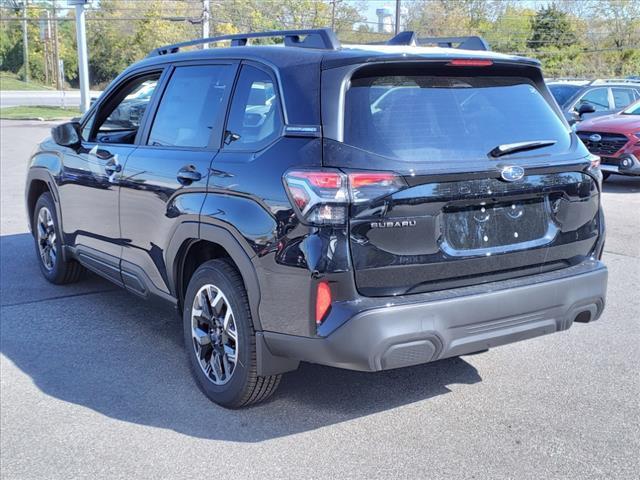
(615, 139)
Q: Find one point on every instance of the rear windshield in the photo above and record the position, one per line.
(563, 93)
(438, 119)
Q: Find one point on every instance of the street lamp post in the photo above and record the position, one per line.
(83, 67)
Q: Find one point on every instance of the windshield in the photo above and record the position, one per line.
(432, 118)
(633, 109)
(562, 93)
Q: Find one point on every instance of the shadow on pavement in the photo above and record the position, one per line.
(621, 184)
(97, 346)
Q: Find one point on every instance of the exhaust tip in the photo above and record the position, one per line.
(583, 317)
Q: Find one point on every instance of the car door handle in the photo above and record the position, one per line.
(101, 153)
(188, 174)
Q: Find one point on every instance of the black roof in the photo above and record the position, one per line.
(299, 65)
(322, 46)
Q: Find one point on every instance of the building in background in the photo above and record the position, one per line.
(385, 20)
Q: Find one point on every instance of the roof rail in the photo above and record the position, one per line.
(613, 80)
(465, 43)
(322, 38)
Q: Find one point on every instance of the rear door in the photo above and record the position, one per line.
(164, 181)
(461, 214)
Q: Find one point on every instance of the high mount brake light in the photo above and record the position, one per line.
(322, 197)
(470, 62)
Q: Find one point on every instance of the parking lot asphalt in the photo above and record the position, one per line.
(94, 384)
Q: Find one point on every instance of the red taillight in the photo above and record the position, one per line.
(323, 196)
(357, 180)
(323, 301)
(320, 179)
(367, 186)
(469, 62)
(300, 197)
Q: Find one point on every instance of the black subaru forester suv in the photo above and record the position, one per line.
(365, 207)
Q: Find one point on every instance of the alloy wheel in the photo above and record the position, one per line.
(46, 235)
(214, 334)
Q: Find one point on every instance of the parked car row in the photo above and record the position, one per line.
(582, 99)
(606, 117)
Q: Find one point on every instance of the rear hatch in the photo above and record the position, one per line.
(488, 182)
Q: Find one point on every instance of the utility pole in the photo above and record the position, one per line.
(83, 67)
(398, 14)
(333, 15)
(47, 47)
(206, 15)
(56, 49)
(25, 40)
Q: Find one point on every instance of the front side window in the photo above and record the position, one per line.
(633, 109)
(88, 125)
(120, 122)
(191, 106)
(255, 119)
(424, 118)
(598, 97)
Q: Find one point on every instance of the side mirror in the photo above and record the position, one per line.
(67, 134)
(586, 108)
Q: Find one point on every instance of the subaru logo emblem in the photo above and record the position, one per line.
(512, 173)
(595, 138)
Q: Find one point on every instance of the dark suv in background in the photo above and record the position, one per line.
(580, 99)
(365, 207)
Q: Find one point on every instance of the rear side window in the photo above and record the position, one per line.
(255, 119)
(622, 97)
(598, 97)
(428, 119)
(191, 106)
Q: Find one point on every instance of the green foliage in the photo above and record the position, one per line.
(571, 38)
(10, 81)
(510, 31)
(38, 113)
(551, 27)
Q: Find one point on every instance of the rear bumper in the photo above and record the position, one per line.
(390, 337)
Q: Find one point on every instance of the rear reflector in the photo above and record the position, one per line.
(469, 62)
(323, 301)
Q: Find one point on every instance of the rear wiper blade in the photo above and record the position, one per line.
(509, 148)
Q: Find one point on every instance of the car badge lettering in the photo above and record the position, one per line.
(394, 224)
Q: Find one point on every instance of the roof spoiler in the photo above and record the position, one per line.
(320, 38)
(464, 43)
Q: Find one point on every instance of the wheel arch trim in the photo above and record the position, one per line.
(188, 234)
(43, 174)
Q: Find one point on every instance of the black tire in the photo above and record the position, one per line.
(605, 175)
(244, 386)
(60, 271)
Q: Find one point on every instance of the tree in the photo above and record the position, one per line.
(551, 27)
(510, 30)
